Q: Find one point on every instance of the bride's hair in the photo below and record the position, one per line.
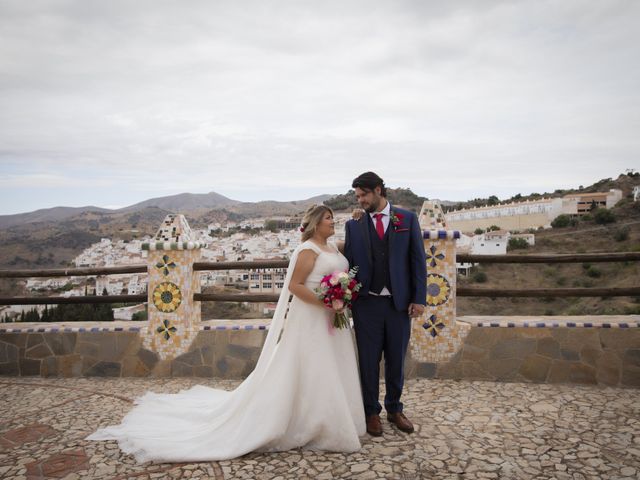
(312, 217)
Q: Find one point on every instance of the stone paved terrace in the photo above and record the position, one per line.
(464, 430)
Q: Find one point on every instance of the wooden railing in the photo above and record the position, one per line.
(271, 264)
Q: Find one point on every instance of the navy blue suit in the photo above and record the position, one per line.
(382, 324)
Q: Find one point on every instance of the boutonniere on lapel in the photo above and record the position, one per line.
(396, 220)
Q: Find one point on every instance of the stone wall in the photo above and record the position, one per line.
(551, 354)
(214, 353)
(605, 356)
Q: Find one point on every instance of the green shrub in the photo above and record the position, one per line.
(587, 217)
(561, 221)
(594, 272)
(140, 316)
(602, 216)
(478, 231)
(479, 277)
(516, 243)
(621, 234)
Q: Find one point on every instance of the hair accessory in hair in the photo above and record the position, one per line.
(302, 229)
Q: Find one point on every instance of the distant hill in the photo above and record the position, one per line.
(402, 197)
(194, 205)
(55, 214)
(624, 182)
(53, 237)
(184, 202)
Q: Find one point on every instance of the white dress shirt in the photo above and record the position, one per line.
(386, 213)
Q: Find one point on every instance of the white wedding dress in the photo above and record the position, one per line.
(304, 392)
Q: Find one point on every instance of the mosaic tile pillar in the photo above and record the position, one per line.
(174, 319)
(436, 336)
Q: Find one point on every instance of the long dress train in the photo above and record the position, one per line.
(304, 392)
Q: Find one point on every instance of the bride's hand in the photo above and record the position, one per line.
(357, 213)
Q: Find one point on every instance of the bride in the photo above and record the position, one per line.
(303, 392)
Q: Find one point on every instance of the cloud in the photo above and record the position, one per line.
(277, 98)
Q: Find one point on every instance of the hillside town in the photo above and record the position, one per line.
(484, 231)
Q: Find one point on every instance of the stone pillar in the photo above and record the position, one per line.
(436, 336)
(174, 320)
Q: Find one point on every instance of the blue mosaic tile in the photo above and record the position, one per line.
(207, 327)
(248, 327)
(134, 329)
(68, 329)
(541, 325)
(118, 329)
(54, 330)
(588, 324)
(555, 324)
(16, 330)
(525, 324)
(82, 329)
(606, 325)
(493, 324)
(41, 330)
(3, 330)
(456, 234)
(442, 234)
(262, 327)
(511, 324)
(235, 327)
(221, 327)
(571, 324)
(623, 325)
(31, 330)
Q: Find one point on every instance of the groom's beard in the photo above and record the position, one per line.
(373, 207)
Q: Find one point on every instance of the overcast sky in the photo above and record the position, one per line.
(109, 103)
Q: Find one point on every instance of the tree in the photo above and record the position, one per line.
(493, 228)
(478, 231)
(493, 200)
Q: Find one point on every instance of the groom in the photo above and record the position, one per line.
(386, 245)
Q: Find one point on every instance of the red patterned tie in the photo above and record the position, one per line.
(379, 225)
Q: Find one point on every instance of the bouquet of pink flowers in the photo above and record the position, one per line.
(338, 291)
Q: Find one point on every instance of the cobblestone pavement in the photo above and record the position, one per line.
(463, 430)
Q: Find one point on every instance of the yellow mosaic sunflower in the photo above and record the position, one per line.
(437, 289)
(167, 297)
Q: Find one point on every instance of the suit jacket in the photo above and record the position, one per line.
(407, 261)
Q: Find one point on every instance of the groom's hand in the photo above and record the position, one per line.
(415, 309)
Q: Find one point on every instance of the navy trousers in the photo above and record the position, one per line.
(381, 328)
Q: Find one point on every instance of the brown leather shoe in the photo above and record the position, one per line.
(374, 426)
(400, 421)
